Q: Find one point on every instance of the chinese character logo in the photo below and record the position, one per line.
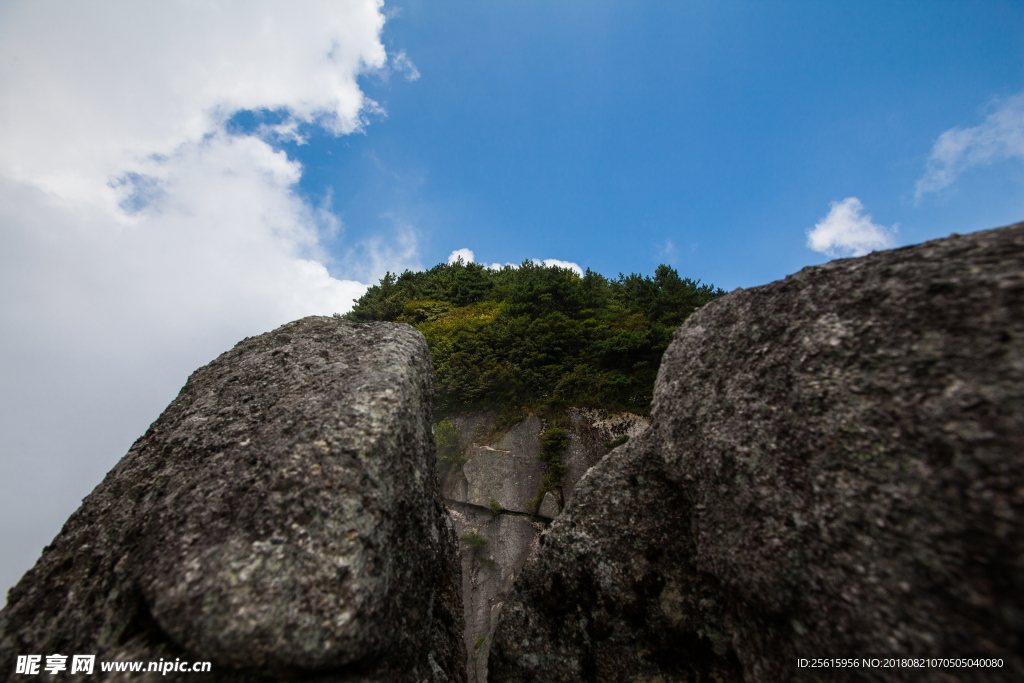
(82, 664)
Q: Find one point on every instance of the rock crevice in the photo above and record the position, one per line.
(834, 468)
(500, 480)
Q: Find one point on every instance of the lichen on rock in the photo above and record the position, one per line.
(280, 519)
(834, 468)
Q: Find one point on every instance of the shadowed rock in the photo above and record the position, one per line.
(835, 468)
(510, 472)
(488, 573)
(549, 507)
(589, 430)
(281, 519)
(504, 479)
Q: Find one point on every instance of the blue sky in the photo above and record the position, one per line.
(176, 176)
(711, 136)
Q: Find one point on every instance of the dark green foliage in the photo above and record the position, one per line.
(381, 302)
(475, 540)
(446, 436)
(552, 443)
(537, 337)
(615, 443)
(455, 283)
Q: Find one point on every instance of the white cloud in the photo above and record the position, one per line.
(845, 232)
(91, 90)
(400, 63)
(395, 253)
(668, 251)
(465, 254)
(468, 257)
(999, 137)
(562, 264)
(139, 238)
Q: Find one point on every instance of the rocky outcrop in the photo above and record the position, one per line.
(502, 543)
(590, 432)
(488, 492)
(492, 497)
(508, 472)
(281, 519)
(835, 468)
(549, 506)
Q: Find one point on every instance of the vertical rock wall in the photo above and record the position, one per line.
(493, 495)
(488, 572)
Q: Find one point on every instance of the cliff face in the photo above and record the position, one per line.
(491, 494)
(835, 467)
(281, 519)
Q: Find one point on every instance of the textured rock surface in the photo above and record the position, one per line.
(836, 467)
(549, 507)
(510, 471)
(487, 573)
(281, 519)
(611, 593)
(473, 427)
(589, 430)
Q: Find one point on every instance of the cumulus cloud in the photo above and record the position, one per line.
(465, 254)
(998, 138)
(140, 237)
(561, 264)
(92, 90)
(468, 256)
(845, 231)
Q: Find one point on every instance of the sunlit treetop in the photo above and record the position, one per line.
(537, 337)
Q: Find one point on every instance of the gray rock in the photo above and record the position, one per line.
(608, 595)
(835, 468)
(549, 507)
(280, 519)
(589, 430)
(524, 438)
(510, 472)
(455, 488)
(488, 573)
(474, 426)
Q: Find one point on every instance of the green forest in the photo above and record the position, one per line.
(535, 338)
